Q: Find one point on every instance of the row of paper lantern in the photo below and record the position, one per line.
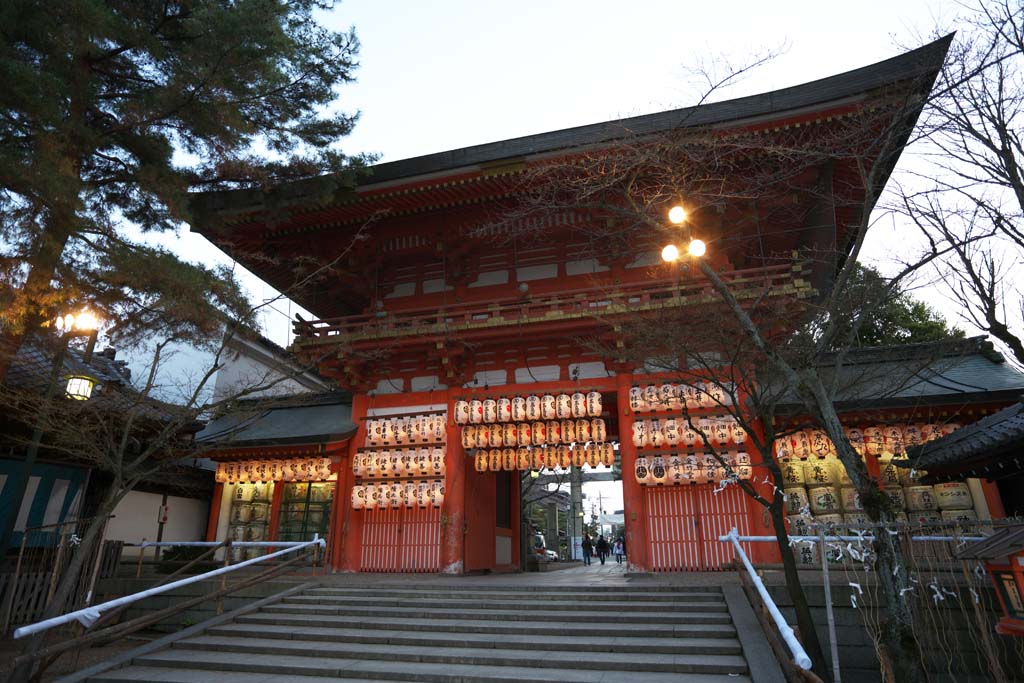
(421, 493)
(671, 432)
(406, 430)
(878, 440)
(539, 433)
(678, 469)
(550, 457)
(671, 396)
(295, 469)
(528, 408)
(401, 462)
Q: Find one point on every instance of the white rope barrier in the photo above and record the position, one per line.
(89, 615)
(866, 537)
(214, 544)
(799, 654)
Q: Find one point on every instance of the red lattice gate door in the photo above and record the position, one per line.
(685, 522)
(401, 540)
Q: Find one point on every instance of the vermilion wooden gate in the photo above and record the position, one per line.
(685, 522)
(401, 540)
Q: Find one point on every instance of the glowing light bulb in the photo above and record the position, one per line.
(677, 214)
(87, 321)
(697, 248)
(670, 253)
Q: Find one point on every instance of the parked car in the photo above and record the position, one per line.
(540, 549)
(552, 556)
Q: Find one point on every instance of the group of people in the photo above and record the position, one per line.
(601, 546)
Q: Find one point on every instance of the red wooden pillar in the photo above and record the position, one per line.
(214, 518)
(993, 499)
(634, 504)
(453, 510)
(760, 516)
(343, 470)
(348, 551)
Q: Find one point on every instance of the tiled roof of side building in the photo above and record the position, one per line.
(990, 436)
(282, 420)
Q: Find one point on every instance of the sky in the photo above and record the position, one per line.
(452, 73)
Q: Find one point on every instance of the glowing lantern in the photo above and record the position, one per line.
(579, 456)
(409, 494)
(483, 436)
(537, 460)
(476, 411)
(636, 400)
(607, 454)
(564, 457)
(373, 432)
(461, 412)
(568, 431)
(533, 411)
(689, 436)
(323, 469)
(651, 397)
(641, 470)
(494, 460)
(548, 410)
(509, 435)
(396, 493)
(655, 436)
(563, 406)
(856, 438)
(437, 461)
(583, 430)
(399, 461)
(440, 429)
(518, 409)
(386, 463)
(539, 432)
(504, 408)
(554, 432)
(594, 404)
(593, 454)
(674, 469)
(221, 476)
(671, 431)
(469, 437)
(480, 463)
(949, 428)
(550, 458)
(423, 494)
(436, 493)
(874, 440)
(508, 459)
(931, 431)
(489, 408)
(371, 499)
(739, 433)
(523, 458)
(387, 432)
(893, 439)
(598, 431)
(658, 471)
(495, 436)
(821, 445)
(912, 435)
(417, 429)
(577, 405)
(524, 434)
(666, 393)
(720, 431)
(358, 497)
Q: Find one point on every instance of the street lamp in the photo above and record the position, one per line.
(695, 248)
(78, 387)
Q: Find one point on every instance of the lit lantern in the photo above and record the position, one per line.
(229, 472)
(358, 497)
(396, 494)
(440, 429)
(803, 441)
(568, 431)
(707, 399)
(678, 399)
(594, 404)
(323, 469)
(539, 432)
(578, 405)
(636, 400)
(642, 470)
(563, 406)
(533, 411)
(598, 432)
(386, 463)
(821, 445)
(437, 461)
(674, 469)
(666, 393)
(524, 433)
(640, 439)
(423, 493)
(874, 440)
(490, 410)
(417, 429)
(469, 437)
(607, 454)
(480, 463)
(495, 436)
(931, 431)
(518, 408)
(583, 431)
(651, 397)
(949, 428)
(671, 431)
(579, 456)
(369, 464)
(523, 458)
(494, 460)
(371, 499)
(655, 435)
(738, 432)
(504, 409)
(436, 493)
(554, 432)
(658, 472)
(221, 476)
(564, 456)
(537, 460)
(462, 412)
(691, 466)
(404, 430)
(373, 432)
(720, 431)
(592, 454)
(548, 410)
(387, 432)
(856, 438)
(476, 411)
(691, 395)
(548, 458)
(483, 436)
(409, 494)
(893, 439)
(400, 460)
(509, 435)
(689, 436)
(912, 435)
(508, 459)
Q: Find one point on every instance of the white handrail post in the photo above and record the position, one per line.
(827, 586)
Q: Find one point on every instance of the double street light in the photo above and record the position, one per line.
(695, 247)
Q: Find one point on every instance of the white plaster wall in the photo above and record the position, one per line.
(135, 518)
(247, 372)
(490, 277)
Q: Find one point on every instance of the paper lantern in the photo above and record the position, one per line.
(598, 432)
(874, 440)
(583, 430)
(579, 456)
(737, 432)
(358, 497)
(721, 433)
(373, 430)
(896, 497)
(469, 437)
(691, 466)
(636, 400)
(547, 407)
(931, 431)
(323, 469)
(504, 407)
(476, 411)
(518, 409)
(578, 405)
(439, 429)
(689, 436)
(912, 435)
(386, 464)
(641, 470)
(437, 461)
(705, 395)
(509, 435)
(417, 429)
(593, 454)
(387, 432)
(550, 458)
(423, 493)
(480, 463)
(537, 460)
(564, 456)
(494, 460)
(893, 439)
(371, 497)
(711, 467)
(651, 397)
(462, 412)
(483, 436)
(495, 436)
(404, 430)
(539, 432)
(821, 445)
(409, 494)
(395, 495)
(508, 459)
(675, 474)
(856, 438)
(436, 493)
(607, 454)
(715, 394)
(640, 437)
(659, 474)
(490, 410)
(524, 434)
(568, 431)
(370, 464)
(594, 404)
(533, 410)
(670, 429)
(554, 432)
(783, 449)
(655, 436)
(666, 393)
(949, 428)
(523, 458)
(221, 476)
(399, 462)
(563, 406)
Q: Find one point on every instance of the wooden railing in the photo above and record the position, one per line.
(565, 305)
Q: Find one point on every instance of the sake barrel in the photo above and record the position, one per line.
(792, 473)
(819, 471)
(823, 500)
(833, 523)
(924, 517)
(807, 554)
(959, 516)
(920, 498)
(850, 499)
(799, 525)
(856, 523)
(842, 476)
(796, 500)
(954, 495)
(890, 473)
(896, 497)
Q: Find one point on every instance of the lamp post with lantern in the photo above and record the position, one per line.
(694, 247)
(77, 386)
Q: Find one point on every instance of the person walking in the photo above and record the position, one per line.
(602, 548)
(617, 549)
(588, 548)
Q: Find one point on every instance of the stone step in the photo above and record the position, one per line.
(664, 645)
(447, 624)
(690, 614)
(516, 603)
(244, 667)
(600, 661)
(644, 595)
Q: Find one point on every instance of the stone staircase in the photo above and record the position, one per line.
(392, 632)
